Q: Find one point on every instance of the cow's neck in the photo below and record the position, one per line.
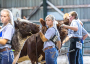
(21, 42)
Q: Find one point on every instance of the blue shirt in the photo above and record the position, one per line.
(7, 33)
(49, 34)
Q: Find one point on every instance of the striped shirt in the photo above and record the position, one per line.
(79, 33)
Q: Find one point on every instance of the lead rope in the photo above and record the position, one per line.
(36, 52)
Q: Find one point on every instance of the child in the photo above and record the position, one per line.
(6, 33)
(66, 16)
(75, 34)
(51, 53)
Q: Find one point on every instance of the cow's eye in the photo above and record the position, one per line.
(24, 24)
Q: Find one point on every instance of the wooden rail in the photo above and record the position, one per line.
(49, 7)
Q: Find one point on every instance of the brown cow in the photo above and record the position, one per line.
(63, 32)
(30, 45)
(23, 28)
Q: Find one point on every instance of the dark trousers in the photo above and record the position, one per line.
(74, 56)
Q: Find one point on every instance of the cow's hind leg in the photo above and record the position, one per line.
(32, 62)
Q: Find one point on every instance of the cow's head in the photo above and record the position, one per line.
(66, 19)
(25, 27)
(62, 31)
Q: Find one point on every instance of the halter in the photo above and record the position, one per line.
(30, 32)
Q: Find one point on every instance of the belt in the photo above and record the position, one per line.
(4, 49)
(74, 37)
(49, 47)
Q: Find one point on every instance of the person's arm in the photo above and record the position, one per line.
(84, 33)
(70, 27)
(0, 27)
(85, 36)
(65, 40)
(48, 35)
(7, 36)
(3, 41)
(81, 23)
(59, 44)
(42, 36)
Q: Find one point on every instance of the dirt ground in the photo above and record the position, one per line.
(61, 60)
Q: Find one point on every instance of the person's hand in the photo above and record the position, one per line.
(63, 25)
(63, 42)
(59, 51)
(40, 30)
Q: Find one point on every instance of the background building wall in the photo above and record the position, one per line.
(83, 13)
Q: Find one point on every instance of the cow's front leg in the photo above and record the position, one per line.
(16, 58)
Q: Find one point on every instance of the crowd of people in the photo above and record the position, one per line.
(76, 35)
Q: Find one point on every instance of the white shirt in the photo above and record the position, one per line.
(7, 33)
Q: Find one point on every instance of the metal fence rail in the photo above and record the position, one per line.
(86, 44)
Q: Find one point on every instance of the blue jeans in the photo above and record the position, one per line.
(51, 56)
(6, 57)
(81, 57)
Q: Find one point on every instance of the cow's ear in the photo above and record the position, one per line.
(16, 25)
(43, 23)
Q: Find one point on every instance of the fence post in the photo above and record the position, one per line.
(44, 8)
